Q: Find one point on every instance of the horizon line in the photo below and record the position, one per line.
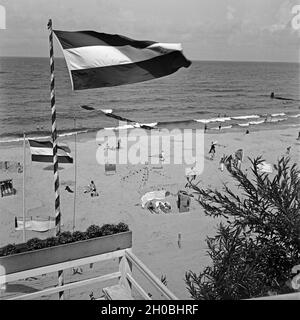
(197, 60)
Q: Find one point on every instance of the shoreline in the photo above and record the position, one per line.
(83, 135)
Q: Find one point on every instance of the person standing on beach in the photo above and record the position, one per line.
(212, 150)
(205, 128)
(222, 162)
(93, 189)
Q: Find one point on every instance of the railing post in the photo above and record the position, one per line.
(125, 266)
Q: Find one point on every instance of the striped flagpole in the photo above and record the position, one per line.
(54, 142)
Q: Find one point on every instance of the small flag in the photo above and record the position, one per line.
(99, 60)
(42, 151)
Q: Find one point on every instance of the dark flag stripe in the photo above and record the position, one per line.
(40, 144)
(129, 73)
(47, 145)
(43, 158)
(77, 39)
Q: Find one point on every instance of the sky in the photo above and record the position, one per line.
(238, 30)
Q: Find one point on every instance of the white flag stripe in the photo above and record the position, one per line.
(104, 56)
(166, 46)
(47, 152)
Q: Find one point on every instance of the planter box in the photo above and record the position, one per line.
(63, 253)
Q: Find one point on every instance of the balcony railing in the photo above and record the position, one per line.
(124, 279)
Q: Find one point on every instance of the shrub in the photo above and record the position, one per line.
(122, 227)
(93, 231)
(79, 236)
(51, 242)
(65, 237)
(258, 243)
(108, 229)
(8, 250)
(34, 244)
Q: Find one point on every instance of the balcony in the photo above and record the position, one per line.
(130, 281)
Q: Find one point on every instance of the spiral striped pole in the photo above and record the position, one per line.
(54, 142)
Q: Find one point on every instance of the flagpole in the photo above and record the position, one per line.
(24, 176)
(54, 142)
(75, 173)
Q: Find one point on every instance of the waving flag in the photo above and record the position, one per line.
(99, 60)
(41, 151)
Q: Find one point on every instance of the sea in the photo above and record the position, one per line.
(221, 95)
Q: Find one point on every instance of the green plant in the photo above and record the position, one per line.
(108, 229)
(122, 227)
(65, 237)
(258, 241)
(51, 242)
(34, 244)
(8, 250)
(79, 236)
(93, 231)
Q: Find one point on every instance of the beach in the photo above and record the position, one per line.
(155, 236)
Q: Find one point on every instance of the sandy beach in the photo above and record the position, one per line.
(154, 235)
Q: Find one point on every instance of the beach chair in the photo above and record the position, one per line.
(165, 207)
(6, 188)
(110, 168)
(183, 202)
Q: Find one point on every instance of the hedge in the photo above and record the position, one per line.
(92, 231)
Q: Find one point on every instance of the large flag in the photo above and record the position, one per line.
(42, 151)
(99, 60)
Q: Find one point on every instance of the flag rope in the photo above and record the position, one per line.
(54, 141)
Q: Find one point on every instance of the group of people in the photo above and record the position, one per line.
(205, 127)
(91, 188)
(235, 159)
(159, 206)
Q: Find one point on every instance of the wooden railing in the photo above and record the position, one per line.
(149, 275)
(289, 296)
(124, 277)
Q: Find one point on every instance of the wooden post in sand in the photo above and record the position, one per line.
(55, 157)
(24, 176)
(75, 174)
(179, 240)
